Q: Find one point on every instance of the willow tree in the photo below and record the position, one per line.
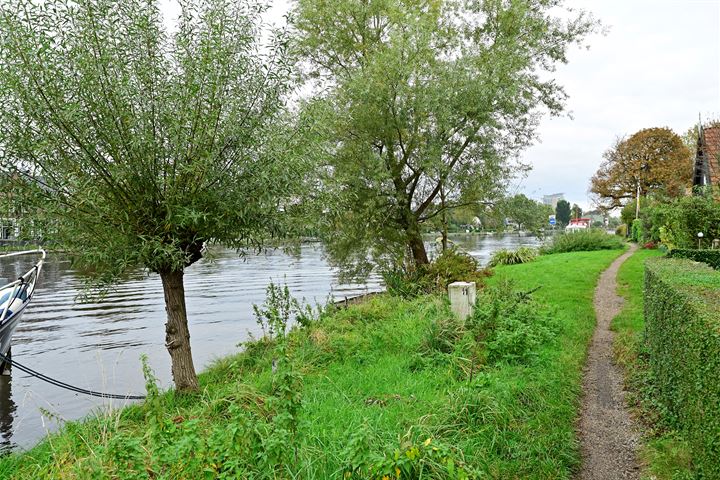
(423, 106)
(138, 146)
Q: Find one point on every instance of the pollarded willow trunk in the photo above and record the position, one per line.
(177, 334)
(417, 246)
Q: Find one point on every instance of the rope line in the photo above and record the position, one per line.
(67, 386)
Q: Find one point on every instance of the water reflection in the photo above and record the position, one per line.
(98, 345)
(7, 412)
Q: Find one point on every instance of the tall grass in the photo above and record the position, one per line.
(583, 241)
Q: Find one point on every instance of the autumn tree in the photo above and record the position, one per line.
(651, 161)
(562, 212)
(139, 147)
(422, 106)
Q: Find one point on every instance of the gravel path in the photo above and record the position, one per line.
(608, 436)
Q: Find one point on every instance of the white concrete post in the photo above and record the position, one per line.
(462, 298)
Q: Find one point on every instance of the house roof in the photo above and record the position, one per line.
(711, 151)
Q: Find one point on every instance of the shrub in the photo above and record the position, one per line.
(621, 230)
(678, 223)
(513, 257)
(650, 245)
(711, 257)
(682, 340)
(636, 231)
(583, 241)
(451, 266)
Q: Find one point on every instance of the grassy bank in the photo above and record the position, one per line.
(391, 388)
(664, 454)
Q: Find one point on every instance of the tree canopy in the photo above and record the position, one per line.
(422, 106)
(530, 215)
(137, 147)
(655, 160)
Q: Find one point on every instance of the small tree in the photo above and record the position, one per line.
(576, 211)
(562, 212)
(137, 147)
(422, 107)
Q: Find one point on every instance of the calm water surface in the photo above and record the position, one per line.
(98, 345)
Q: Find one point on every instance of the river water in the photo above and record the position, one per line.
(98, 346)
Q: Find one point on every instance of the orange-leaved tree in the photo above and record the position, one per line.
(653, 160)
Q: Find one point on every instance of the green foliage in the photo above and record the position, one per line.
(422, 107)
(451, 266)
(511, 324)
(621, 231)
(637, 233)
(583, 241)
(710, 257)
(682, 338)
(562, 212)
(145, 145)
(530, 215)
(513, 257)
(279, 309)
(677, 224)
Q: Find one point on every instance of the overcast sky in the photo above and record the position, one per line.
(657, 66)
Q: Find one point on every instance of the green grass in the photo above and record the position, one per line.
(361, 391)
(664, 454)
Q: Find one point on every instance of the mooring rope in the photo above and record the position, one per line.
(67, 386)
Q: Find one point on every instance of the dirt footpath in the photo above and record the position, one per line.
(608, 436)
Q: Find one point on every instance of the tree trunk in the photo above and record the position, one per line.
(177, 334)
(444, 220)
(417, 246)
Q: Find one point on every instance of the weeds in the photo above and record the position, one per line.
(451, 266)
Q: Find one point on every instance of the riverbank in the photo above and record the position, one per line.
(390, 388)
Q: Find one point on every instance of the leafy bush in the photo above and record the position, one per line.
(583, 241)
(677, 224)
(711, 257)
(507, 326)
(513, 257)
(682, 339)
(451, 266)
(621, 230)
(636, 232)
(511, 324)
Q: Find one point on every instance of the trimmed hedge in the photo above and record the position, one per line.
(711, 257)
(682, 336)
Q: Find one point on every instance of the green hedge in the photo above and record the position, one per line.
(682, 335)
(711, 257)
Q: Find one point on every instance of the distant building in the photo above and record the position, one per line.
(706, 171)
(578, 224)
(553, 199)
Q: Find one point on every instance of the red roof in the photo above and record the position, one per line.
(711, 151)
